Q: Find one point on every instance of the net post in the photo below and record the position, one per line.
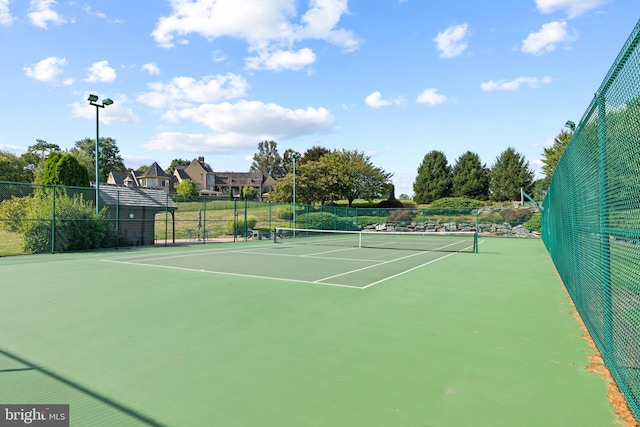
(360, 239)
(475, 242)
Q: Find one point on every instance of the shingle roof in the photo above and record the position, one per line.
(119, 177)
(183, 174)
(154, 170)
(143, 197)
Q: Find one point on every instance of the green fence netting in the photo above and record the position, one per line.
(591, 220)
(44, 218)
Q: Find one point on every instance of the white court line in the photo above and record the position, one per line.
(224, 273)
(411, 269)
(393, 260)
(314, 256)
(371, 266)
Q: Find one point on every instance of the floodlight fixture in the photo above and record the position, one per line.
(93, 99)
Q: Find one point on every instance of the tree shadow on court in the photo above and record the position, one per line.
(23, 382)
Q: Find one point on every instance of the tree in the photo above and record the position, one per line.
(351, 175)
(267, 160)
(551, 155)
(313, 154)
(35, 157)
(434, 178)
(142, 168)
(250, 193)
(12, 168)
(186, 188)
(509, 174)
(110, 159)
(64, 169)
(312, 185)
(470, 177)
(174, 165)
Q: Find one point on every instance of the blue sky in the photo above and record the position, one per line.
(393, 78)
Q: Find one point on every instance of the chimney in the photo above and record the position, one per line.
(201, 160)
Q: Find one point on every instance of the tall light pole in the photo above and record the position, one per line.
(295, 157)
(93, 99)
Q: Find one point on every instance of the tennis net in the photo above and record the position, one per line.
(457, 241)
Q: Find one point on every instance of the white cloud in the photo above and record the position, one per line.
(257, 120)
(88, 11)
(374, 100)
(281, 60)
(203, 143)
(118, 112)
(186, 91)
(514, 84)
(268, 27)
(5, 14)
(431, 96)
(100, 72)
(151, 68)
(218, 56)
(41, 13)
(451, 42)
(547, 39)
(572, 7)
(12, 148)
(46, 70)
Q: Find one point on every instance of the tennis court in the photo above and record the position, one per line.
(291, 334)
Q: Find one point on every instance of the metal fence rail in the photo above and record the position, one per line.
(591, 219)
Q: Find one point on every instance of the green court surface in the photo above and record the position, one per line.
(262, 334)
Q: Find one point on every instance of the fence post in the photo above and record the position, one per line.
(605, 247)
(53, 219)
(117, 217)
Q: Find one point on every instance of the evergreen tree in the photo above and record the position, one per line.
(110, 158)
(509, 174)
(267, 160)
(551, 155)
(470, 177)
(64, 169)
(434, 178)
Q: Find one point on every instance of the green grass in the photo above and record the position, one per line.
(10, 243)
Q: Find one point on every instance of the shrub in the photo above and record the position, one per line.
(325, 221)
(456, 202)
(402, 215)
(534, 223)
(76, 225)
(284, 212)
(239, 225)
(390, 203)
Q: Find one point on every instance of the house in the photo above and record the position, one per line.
(209, 182)
(153, 177)
(132, 212)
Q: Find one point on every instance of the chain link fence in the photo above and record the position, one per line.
(591, 220)
(59, 219)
